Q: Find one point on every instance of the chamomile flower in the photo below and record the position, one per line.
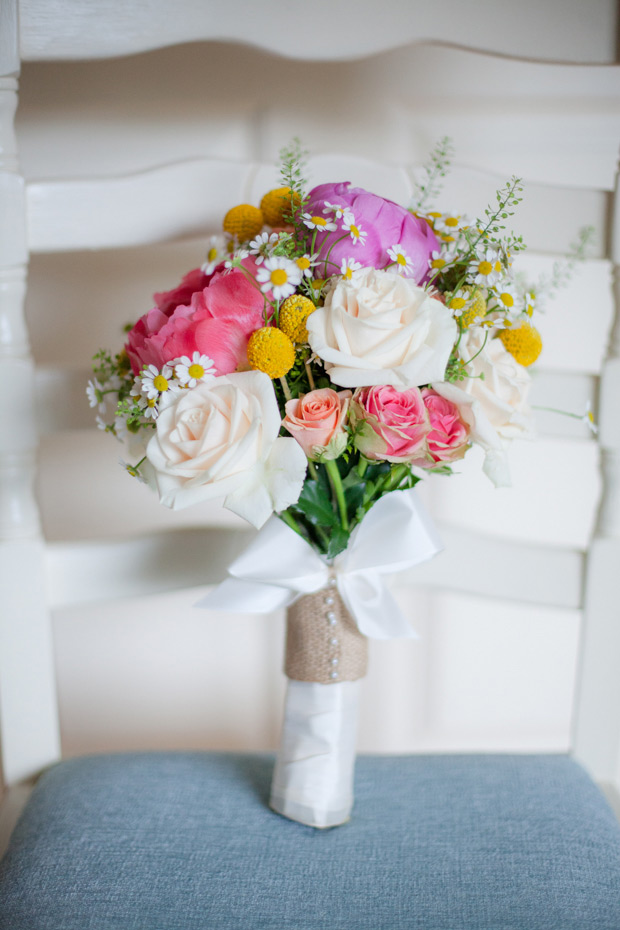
(448, 224)
(588, 419)
(280, 276)
(236, 258)
(132, 470)
(262, 245)
(506, 297)
(216, 252)
(191, 371)
(401, 259)
(95, 393)
(348, 268)
(340, 212)
(306, 264)
(356, 232)
(486, 269)
(155, 382)
(319, 222)
(102, 425)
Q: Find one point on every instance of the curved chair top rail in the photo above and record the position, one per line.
(74, 29)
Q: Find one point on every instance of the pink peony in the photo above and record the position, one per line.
(217, 323)
(316, 421)
(194, 280)
(390, 424)
(449, 435)
(386, 224)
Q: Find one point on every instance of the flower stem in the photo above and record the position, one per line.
(336, 484)
(362, 465)
(285, 388)
(309, 373)
(290, 520)
(395, 477)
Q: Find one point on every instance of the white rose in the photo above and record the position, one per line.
(381, 328)
(503, 391)
(220, 439)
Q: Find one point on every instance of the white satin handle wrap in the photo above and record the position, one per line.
(279, 566)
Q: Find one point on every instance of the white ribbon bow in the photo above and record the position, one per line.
(279, 566)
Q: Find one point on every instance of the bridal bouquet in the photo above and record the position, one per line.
(333, 349)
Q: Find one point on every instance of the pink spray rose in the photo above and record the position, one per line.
(316, 421)
(448, 438)
(390, 424)
(384, 223)
(217, 322)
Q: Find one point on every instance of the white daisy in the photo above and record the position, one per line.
(356, 232)
(191, 371)
(233, 261)
(280, 276)
(348, 267)
(319, 222)
(486, 269)
(95, 393)
(306, 264)
(401, 259)
(262, 246)
(156, 382)
(216, 253)
(449, 224)
(132, 470)
(340, 212)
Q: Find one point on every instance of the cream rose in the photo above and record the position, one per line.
(220, 439)
(381, 328)
(504, 386)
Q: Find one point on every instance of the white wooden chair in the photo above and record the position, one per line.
(520, 644)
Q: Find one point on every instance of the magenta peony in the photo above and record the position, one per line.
(217, 322)
(384, 223)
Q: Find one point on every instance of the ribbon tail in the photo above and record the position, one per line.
(373, 607)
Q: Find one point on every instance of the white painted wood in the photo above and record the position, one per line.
(28, 718)
(93, 571)
(142, 208)
(597, 710)
(11, 805)
(554, 30)
(177, 200)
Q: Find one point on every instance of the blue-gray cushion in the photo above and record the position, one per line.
(181, 841)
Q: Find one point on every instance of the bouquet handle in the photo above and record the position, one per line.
(326, 656)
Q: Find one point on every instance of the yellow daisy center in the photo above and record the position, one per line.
(485, 268)
(438, 263)
(303, 263)
(196, 371)
(212, 254)
(401, 259)
(271, 350)
(355, 231)
(457, 303)
(160, 383)
(319, 221)
(507, 299)
(151, 402)
(278, 277)
(498, 266)
(452, 221)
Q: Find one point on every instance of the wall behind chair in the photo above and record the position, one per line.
(156, 673)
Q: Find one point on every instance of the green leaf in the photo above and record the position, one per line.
(316, 504)
(339, 539)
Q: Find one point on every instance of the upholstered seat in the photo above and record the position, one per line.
(182, 841)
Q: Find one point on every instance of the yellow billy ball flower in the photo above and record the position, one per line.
(270, 350)
(293, 315)
(244, 222)
(276, 205)
(477, 309)
(523, 342)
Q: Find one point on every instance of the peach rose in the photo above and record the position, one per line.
(316, 420)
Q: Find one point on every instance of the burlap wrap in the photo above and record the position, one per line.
(323, 643)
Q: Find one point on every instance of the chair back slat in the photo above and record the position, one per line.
(118, 28)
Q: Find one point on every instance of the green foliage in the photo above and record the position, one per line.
(429, 185)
